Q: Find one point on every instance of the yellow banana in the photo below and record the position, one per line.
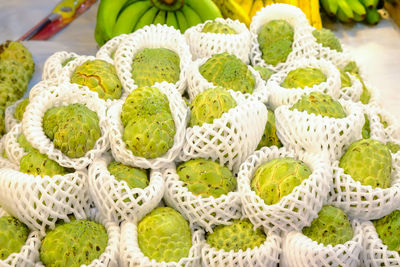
(247, 5)
(231, 9)
(257, 5)
(315, 17)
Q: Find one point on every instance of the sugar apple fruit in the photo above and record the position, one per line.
(20, 109)
(7, 94)
(278, 177)
(275, 39)
(384, 123)
(269, 137)
(264, 72)
(152, 65)
(73, 244)
(218, 27)
(369, 162)
(331, 227)
(164, 235)
(229, 72)
(366, 129)
(344, 79)
(134, 177)
(393, 147)
(13, 235)
(327, 38)
(320, 104)
(353, 69)
(388, 230)
(24, 143)
(303, 77)
(35, 163)
(209, 105)
(2, 123)
(240, 235)
(13, 74)
(18, 52)
(206, 178)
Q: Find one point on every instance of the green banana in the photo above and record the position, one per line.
(370, 4)
(373, 16)
(160, 17)
(168, 5)
(183, 24)
(206, 9)
(147, 18)
(99, 36)
(107, 13)
(330, 6)
(345, 13)
(343, 16)
(171, 20)
(191, 16)
(359, 11)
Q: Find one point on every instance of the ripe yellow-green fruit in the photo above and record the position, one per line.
(20, 109)
(264, 72)
(218, 27)
(7, 94)
(388, 230)
(35, 163)
(327, 39)
(14, 75)
(24, 143)
(2, 123)
(303, 77)
(269, 137)
(344, 79)
(13, 235)
(134, 177)
(18, 52)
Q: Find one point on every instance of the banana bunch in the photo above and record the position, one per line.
(115, 17)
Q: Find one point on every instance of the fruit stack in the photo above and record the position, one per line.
(149, 155)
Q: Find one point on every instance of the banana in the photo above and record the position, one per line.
(231, 9)
(170, 5)
(257, 5)
(107, 13)
(247, 5)
(206, 9)
(171, 20)
(191, 16)
(160, 17)
(99, 36)
(147, 18)
(370, 4)
(373, 16)
(346, 13)
(343, 16)
(330, 6)
(359, 11)
(183, 24)
(314, 15)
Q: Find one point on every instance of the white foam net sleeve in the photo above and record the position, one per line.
(13, 149)
(54, 64)
(205, 44)
(303, 44)
(295, 210)
(131, 255)
(352, 92)
(115, 200)
(9, 120)
(43, 200)
(180, 114)
(231, 138)
(289, 96)
(376, 116)
(5, 162)
(299, 250)
(267, 254)
(107, 51)
(339, 59)
(319, 134)
(151, 36)
(61, 95)
(203, 211)
(41, 86)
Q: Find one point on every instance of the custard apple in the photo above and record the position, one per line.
(344, 79)
(328, 39)
(351, 67)
(18, 52)
(369, 162)
(384, 123)
(164, 235)
(388, 230)
(393, 147)
(269, 137)
(303, 77)
(152, 65)
(20, 109)
(331, 227)
(240, 235)
(209, 105)
(134, 177)
(206, 178)
(13, 74)
(35, 163)
(73, 244)
(13, 235)
(218, 27)
(320, 104)
(264, 72)
(366, 130)
(229, 72)
(2, 123)
(278, 177)
(7, 94)
(24, 143)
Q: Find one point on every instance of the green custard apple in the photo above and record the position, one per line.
(209, 105)
(206, 178)
(18, 52)
(320, 104)
(278, 177)
(228, 71)
(344, 79)
(303, 77)
(240, 235)
(13, 74)
(7, 94)
(366, 129)
(73, 244)
(2, 123)
(134, 177)
(388, 230)
(327, 38)
(369, 162)
(264, 72)
(384, 123)
(331, 227)
(35, 163)
(393, 147)
(24, 143)
(20, 109)
(164, 235)
(218, 27)
(13, 236)
(353, 69)
(152, 65)
(269, 137)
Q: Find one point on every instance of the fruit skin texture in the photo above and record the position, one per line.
(240, 235)
(218, 27)
(353, 69)
(18, 52)
(99, 76)
(388, 229)
(2, 123)
(209, 105)
(303, 77)
(24, 143)
(134, 177)
(164, 235)
(35, 163)
(152, 65)
(264, 72)
(13, 235)
(369, 162)
(20, 109)
(393, 147)
(7, 94)
(229, 72)
(73, 244)
(206, 178)
(366, 129)
(320, 104)
(14, 75)
(331, 227)
(269, 137)
(278, 177)
(327, 38)
(344, 79)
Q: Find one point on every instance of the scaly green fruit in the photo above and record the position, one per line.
(269, 137)
(99, 76)
(218, 27)
(35, 163)
(7, 94)
(20, 109)
(13, 73)
(73, 244)
(384, 123)
(331, 227)
(209, 105)
(13, 235)
(369, 162)
(229, 72)
(152, 65)
(278, 177)
(24, 143)
(206, 178)
(240, 235)
(388, 230)
(18, 52)
(264, 72)
(134, 177)
(366, 130)
(393, 147)
(164, 235)
(303, 77)
(2, 123)
(327, 38)
(344, 79)
(351, 67)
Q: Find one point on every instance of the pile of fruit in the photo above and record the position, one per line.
(150, 155)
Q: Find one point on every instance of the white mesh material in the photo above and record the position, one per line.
(5, 162)
(339, 59)
(41, 86)
(303, 44)
(180, 115)
(204, 211)
(131, 255)
(231, 138)
(60, 95)
(9, 119)
(318, 134)
(151, 36)
(207, 44)
(293, 211)
(107, 51)
(284, 96)
(53, 65)
(299, 250)
(353, 92)
(13, 149)
(375, 116)
(115, 200)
